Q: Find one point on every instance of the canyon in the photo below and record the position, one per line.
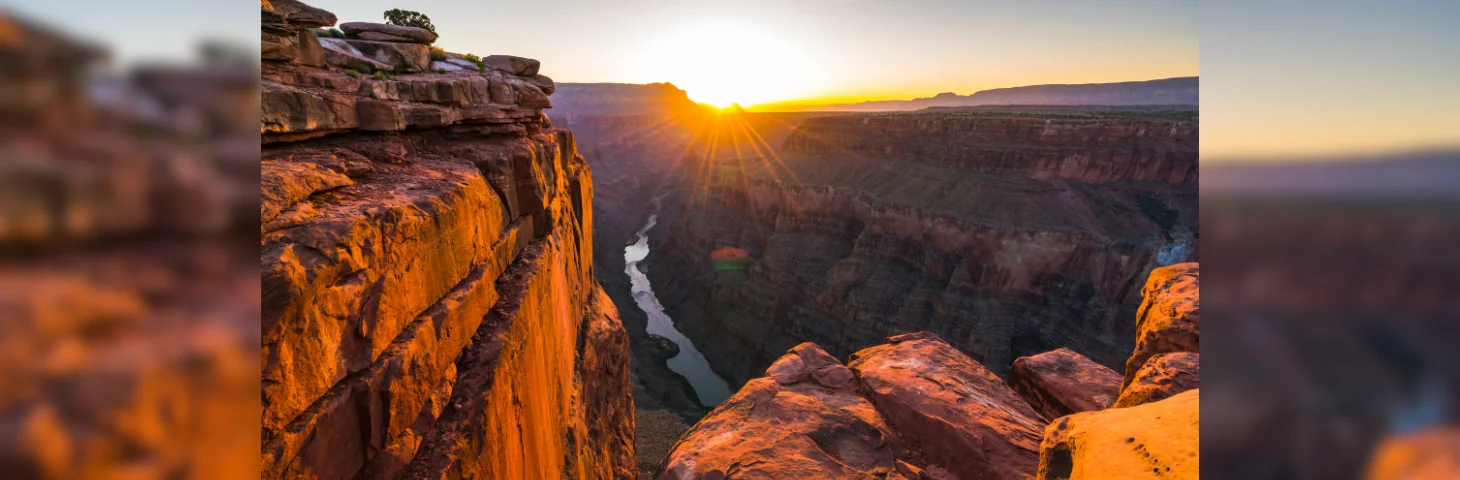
(470, 270)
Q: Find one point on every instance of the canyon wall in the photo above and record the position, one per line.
(430, 309)
(1004, 234)
(915, 407)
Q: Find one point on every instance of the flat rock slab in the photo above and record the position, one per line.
(956, 413)
(1158, 440)
(522, 67)
(406, 34)
(1061, 382)
(402, 57)
(1163, 376)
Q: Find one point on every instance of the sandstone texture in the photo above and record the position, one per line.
(1162, 376)
(1155, 440)
(1061, 382)
(914, 408)
(1169, 320)
(430, 308)
(859, 227)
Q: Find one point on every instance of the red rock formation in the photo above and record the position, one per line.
(956, 413)
(914, 408)
(1155, 440)
(1061, 382)
(1169, 319)
(1162, 376)
(430, 309)
(804, 420)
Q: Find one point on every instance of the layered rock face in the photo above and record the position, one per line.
(1007, 235)
(430, 307)
(918, 408)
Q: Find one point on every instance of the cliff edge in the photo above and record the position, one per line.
(430, 308)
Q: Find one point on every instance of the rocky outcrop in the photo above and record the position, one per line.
(1156, 440)
(805, 420)
(1061, 382)
(916, 407)
(430, 307)
(953, 411)
(913, 408)
(863, 227)
(1162, 376)
(1433, 453)
(1169, 320)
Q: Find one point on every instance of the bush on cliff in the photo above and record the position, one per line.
(407, 18)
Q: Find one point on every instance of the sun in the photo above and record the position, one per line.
(725, 62)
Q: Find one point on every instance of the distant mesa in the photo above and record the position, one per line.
(1169, 91)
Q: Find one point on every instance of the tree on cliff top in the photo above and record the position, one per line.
(407, 18)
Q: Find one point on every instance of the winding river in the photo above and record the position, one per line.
(690, 363)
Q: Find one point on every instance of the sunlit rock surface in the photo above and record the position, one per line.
(430, 305)
(1155, 440)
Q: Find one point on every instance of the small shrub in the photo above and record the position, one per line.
(438, 54)
(473, 58)
(482, 67)
(364, 68)
(407, 18)
(379, 75)
(440, 70)
(320, 32)
(352, 73)
(337, 33)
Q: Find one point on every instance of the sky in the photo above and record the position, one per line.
(1315, 79)
(1279, 77)
(759, 51)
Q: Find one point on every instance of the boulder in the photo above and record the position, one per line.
(383, 37)
(544, 83)
(1162, 376)
(1158, 440)
(279, 48)
(339, 53)
(951, 409)
(790, 426)
(296, 14)
(1168, 319)
(522, 67)
(383, 30)
(286, 109)
(310, 51)
(1062, 382)
(402, 57)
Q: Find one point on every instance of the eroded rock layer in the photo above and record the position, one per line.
(1007, 235)
(429, 303)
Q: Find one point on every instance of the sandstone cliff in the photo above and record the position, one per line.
(917, 408)
(430, 306)
(1007, 234)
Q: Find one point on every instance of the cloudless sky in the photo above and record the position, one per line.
(1290, 77)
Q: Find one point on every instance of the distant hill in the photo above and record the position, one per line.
(1431, 173)
(1169, 91)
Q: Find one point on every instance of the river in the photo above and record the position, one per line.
(690, 363)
